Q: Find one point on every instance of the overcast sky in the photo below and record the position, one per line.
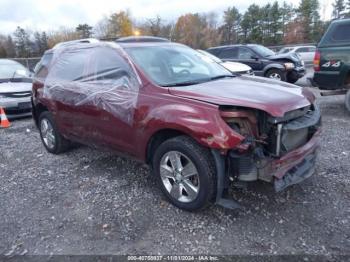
(51, 14)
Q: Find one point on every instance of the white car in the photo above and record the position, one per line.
(306, 53)
(233, 67)
(15, 89)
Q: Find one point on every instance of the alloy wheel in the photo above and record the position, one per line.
(275, 76)
(47, 133)
(179, 176)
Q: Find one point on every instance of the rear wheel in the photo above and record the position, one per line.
(347, 100)
(53, 141)
(276, 74)
(185, 172)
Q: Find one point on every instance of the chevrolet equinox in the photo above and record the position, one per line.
(199, 127)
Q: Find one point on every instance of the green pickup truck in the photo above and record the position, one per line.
(332, 61)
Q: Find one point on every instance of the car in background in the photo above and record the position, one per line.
(233, 67)
(263, 61)
(332, 61)
(195, 123)
(306, 53)
(15, 89)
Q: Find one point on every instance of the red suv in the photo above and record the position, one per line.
(198, 126)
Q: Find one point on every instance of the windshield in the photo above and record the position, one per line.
(11, 70)
(171, 65)
(285, 50)
(262, 50)
(216, 59)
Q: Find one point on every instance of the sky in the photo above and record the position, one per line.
(50, 15)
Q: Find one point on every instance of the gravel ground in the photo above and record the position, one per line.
(91, 202)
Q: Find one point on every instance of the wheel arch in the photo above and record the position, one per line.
(273, 66)
(37, 110)
(158, 138)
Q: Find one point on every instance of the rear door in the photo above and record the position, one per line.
(65, 89)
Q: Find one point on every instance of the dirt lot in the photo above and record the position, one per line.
(90, 202)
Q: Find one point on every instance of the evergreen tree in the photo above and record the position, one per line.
(309, 17)
(338, 8)
(10, 47)
(22, 43)
(84, 30)
(230, 28)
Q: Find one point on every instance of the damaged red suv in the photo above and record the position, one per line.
(199, 127)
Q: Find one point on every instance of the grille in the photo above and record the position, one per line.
(17, 94)
(290, 134)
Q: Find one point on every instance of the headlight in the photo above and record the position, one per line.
(289, 65)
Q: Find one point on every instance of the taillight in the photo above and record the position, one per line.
(317, 60)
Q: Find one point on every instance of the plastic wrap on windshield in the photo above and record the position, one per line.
(96, 76)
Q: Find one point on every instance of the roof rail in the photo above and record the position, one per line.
(136, 39)
(73, 42)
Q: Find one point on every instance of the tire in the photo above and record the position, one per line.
(292, 80)
(53, 141)
(276, 74)
(347, 100)
(292, 77)
(178, 189)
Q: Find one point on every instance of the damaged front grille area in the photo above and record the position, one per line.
(293, 130)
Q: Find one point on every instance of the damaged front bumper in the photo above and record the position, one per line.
(296, 165)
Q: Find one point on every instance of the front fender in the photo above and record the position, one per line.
(273, 66)
(204, 124)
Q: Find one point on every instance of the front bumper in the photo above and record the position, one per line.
(295, 166)
(16, 107)
(297, 72)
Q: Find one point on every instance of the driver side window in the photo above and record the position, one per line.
(245, 54)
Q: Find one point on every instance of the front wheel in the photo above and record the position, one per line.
(276, 74)
(185, 172)
(53, 141)
(347, 100)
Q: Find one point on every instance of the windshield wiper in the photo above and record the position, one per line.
(187, 83)
(221, 76)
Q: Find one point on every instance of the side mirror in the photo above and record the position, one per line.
(255, 57)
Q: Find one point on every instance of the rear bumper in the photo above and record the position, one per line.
(327, 80)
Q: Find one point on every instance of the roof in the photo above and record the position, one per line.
(137, 39)
(8, 61)
(234, 45)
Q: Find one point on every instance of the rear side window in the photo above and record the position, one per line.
(229, 53)
(302, 50)
(70, 66)
(341, 33)
(42, 68)
(338, 34)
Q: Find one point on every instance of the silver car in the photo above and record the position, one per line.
(15, 89)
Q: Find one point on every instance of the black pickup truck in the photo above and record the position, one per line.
(264, 62)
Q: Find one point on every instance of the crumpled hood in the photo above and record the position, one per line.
(13, 87)
(271, 96)
(291, 56)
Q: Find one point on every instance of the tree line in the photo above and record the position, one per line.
(270, 24)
